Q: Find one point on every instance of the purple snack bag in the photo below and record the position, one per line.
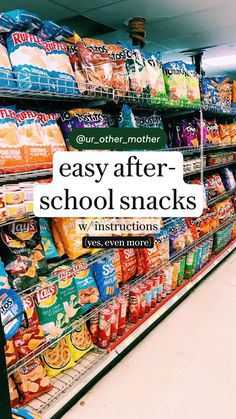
(197, 124)
(189, 135)
(228, 178)
(174, 130)
(81, 118)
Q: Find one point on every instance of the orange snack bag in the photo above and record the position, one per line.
(71, 236)
(95, 62)
(32, 381)
(28, 339)
(232, 130)
(120, 79)
(11, 153)
(36, 151)
(14, 395)
(225, 134)
(117, 265)
(57, 238)
(51, 132)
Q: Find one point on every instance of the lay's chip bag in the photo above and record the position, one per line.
(105, 276)
(59, 67)
(29, 61)
(57, 238)
(11, 153)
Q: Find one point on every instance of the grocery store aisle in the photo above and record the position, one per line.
(184, 369)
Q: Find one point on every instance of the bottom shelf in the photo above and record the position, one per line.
(70, 386)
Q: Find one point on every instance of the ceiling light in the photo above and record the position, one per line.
(218, 61)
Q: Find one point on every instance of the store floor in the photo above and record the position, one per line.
(184, 369)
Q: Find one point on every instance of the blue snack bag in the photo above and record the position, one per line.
(29, 61)
(22, 20)
(47, 239)
(11, 311)
(50, 30)
(3, 276)
(6, 73)
(127, 119)
(86, 285)
(59, 67)
(105, 276)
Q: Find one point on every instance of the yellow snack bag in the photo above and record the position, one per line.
(79, 342)
(71, 236)
(57, 358)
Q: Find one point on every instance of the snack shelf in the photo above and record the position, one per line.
(12, 220)
(197, 150)
(70, 386)
(123, 291)
(209, 168)
(220, 198)
(21, 176)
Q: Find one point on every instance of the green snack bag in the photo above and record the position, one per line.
(175, 82)
(192, 81)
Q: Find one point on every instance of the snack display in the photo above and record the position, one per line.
(32, 381)
(57, 358)
(79, 342)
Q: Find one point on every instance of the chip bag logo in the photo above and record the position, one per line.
(47, 296)
(55, 46)
(23, 115)
(22, 37)
(28, 303)
(6, 305)
(174, 71)
(108, 269)
(24, 227)
(128, 253)
(7, 113)
(28, 368)
(91, 117)
(45, 118)
(97, 48)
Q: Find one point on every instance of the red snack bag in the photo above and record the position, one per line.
(232, 130)
(95, 62)
(115, 307)
(11, 353)
(14, 395)
(128, 263)
(220, 189)
(204, 226)
(140, 267)
(93, 327)
(192, 224)
(151, 258)
(143, 289)
(32, 381)
(224, 130)
(122, 301)
(120, 79)
(134, 304)
(28, 339)
(213, 219)
(104, 327)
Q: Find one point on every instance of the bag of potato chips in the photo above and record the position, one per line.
(86, 285)
(11, 354)
(32, 381)
(47, 239)
(57, 358)
(14, 395)
(71, 236)
(28, 339)
(57, 238)
(79, 342)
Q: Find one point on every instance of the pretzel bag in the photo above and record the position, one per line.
(28, 339)
(57, 358)
(79, 342)
(105, 276)
(32, 381)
